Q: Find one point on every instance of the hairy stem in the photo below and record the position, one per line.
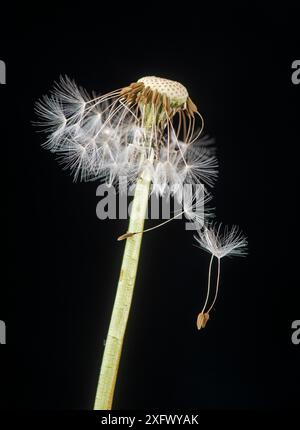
(118, 322)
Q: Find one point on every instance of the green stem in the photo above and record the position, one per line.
(118, 322)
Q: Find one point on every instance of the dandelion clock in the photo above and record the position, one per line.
(151, 133)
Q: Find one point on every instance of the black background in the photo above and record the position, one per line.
(63, 263)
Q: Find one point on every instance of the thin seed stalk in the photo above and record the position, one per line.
(120, 313)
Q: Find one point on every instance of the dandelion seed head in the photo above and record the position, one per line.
(151, 124)
(175, 91)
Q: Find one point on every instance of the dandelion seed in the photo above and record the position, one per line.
(202, 320)
(230, 242)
